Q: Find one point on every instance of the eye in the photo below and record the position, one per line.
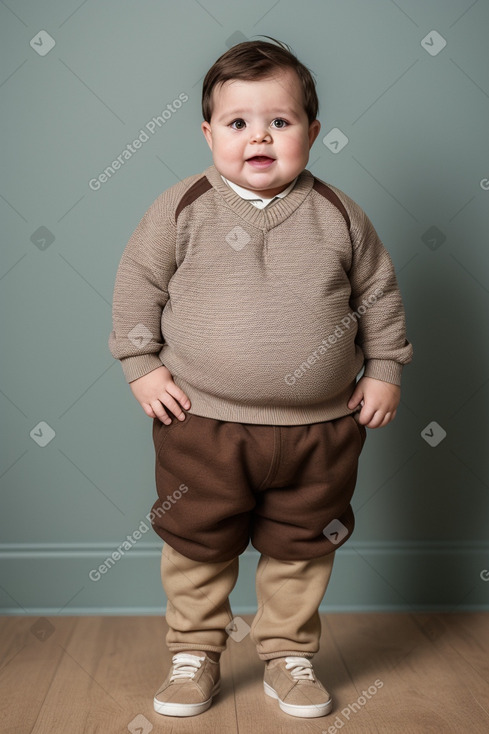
(283, 124)
(241, 124)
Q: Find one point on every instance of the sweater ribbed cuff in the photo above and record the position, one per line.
(135, 367)
(384, 369)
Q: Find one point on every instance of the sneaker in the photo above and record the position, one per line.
(189, 687)
(299, 692)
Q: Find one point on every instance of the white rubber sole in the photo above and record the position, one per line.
(168, 708)
(304, 712)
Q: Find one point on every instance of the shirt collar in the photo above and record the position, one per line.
(251, 196)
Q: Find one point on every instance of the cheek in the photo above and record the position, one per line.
(297, 146)
(227, 145)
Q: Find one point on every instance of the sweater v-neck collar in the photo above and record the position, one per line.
(273, 214)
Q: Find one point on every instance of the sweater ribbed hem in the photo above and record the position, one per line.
(384, 369)
(210, 406)
(140, 365)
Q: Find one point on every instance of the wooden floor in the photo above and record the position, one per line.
(422, 673)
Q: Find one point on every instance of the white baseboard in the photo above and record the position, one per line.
(54, 579)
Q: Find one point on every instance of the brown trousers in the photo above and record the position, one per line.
(287, 489)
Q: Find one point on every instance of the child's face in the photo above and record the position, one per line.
(264, 118)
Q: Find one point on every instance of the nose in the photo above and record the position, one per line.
(259, 134)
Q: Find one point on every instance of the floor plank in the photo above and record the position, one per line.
(256, 712)
(463, 643)
(29, 658)
(388, 673)
(421, 691)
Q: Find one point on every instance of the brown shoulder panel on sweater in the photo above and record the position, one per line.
(329, 194)
(197, 189)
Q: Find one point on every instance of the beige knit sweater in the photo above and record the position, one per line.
(261, 315)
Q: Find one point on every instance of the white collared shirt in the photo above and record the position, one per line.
(253, 198)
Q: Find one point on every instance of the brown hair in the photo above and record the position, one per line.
(253, 60)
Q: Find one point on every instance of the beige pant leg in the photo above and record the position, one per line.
(289, 594)
(198, 607)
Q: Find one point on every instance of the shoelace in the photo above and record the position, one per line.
(300, 668)
(185, 666)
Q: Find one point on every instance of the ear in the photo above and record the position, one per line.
(314, 129)
(206, 129)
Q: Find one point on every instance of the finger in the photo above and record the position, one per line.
(389, 417)
(355, 399)
(160, 412)
(366, 415)
(382, 419)
(376, 419)
(178, 394)
(148, 410)
(172, 404)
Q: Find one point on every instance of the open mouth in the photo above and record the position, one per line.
(260, 161)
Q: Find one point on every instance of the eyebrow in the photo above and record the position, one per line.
(243, 111)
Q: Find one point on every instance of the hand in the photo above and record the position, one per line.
(156, 389)
(379, 402)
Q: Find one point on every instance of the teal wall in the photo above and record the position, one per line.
(416, 116)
